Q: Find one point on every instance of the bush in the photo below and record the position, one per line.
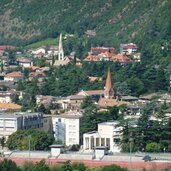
(75, 147)
(113, 168)
(8, 165)
(79, 166)
(27, 166)
(153, 147)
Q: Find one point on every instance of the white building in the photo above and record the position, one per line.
(108, 135)
(66, 127)
(128, 49)
(10, 123)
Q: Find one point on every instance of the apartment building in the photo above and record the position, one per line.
(10, 123)
(66, 127)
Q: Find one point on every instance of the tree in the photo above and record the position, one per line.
(67, 166)
(41, 108)
(41, 166)
(27, 166)
(40, 140)
(113, 168)
(153, 147)
(2, 142)
(79, 167)
(8, 165)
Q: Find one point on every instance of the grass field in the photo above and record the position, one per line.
(46, 42)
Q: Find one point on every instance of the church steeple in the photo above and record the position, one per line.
(60, 49)
(109, 92)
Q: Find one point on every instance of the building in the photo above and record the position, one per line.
(6, 96)
(66, 127)
(25, 62)
(109, 98)
(3, 48)
(60, 49)
(97, 50)
(9, 106)
(90, 33)
(10, 123)
(107, 56)
(107, 135)
(75, 101)
(128, 49)
(13, 76)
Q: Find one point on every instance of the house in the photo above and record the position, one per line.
(105, 103)
(107, 135)
(92, 79)
(13, 76)
(6, 96)
(24, 62)
(98, 50)
(164, 98)
(66, 127)
(37, 74)
(41, 50)
(33, 68)
(45, 100)
(107, 56)
(90, 33)
(128, 49)
(6, 47)
(10, 123)
(95, 94)
(167, 112)
(75, 101)
(9, 106)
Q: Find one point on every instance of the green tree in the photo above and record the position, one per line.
(27, 166)
(67, 166)
(113, 168)
(41, 166)
(8, 165)
(153, 147)
(2, 142)
(40, 140)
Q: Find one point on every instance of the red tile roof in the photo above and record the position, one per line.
(14, 74)
(9, 106)
(4, 47)
(37, 74)
(130, 46)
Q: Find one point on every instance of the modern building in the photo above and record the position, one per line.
(10, 123)
(107, 135)
(66, 127)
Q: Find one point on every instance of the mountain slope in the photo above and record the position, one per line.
(116, 21)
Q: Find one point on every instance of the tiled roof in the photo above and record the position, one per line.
(33, 67)
(108, 86)
(76, 97)
(130, 46)
(14, 74)
(11, 106)
(24, 60)
(103, 102)
(95, 78)
(94, 92)
(37, 74)
(4, 47)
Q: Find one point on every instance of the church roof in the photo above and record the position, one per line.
(108, 81)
